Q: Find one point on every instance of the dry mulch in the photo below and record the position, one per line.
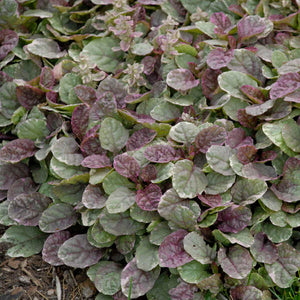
(33, 279)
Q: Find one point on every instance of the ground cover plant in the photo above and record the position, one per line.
(154, 142)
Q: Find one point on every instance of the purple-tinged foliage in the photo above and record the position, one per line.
(140, 138)
(86, 94)
(21, 186)
(181, 80)
(246, 154)
(263, 250)
(127, 166)
(29, 96)
(149, 197)
(209, 82)
(234, 218)
(286, 84)
(171, 250)
(236, 261)
(219, 58)
(96, 161)
(8, 41)
(51, 246)
(183, 291)
(205, 97)
(17, 150)
(47, 79)
(80, 120)
(161, 154)
(213, 135)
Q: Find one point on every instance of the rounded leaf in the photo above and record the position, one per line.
(181, 80)
(140, 281)
(51, 246)
(77, 252)
(27, 209)
(93, 197)
(188, 180)
(148, 198)
(171, 250)
(126, 166)
(120, 200)
(57, 217)
(236, 261)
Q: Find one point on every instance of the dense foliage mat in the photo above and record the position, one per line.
(154, 142)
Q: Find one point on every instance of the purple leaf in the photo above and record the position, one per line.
(293, 97)
(8, 41)
(93, 197)
(140, 138)
(127, 166)
(253, 93)
(183, 291)
(267, 156)
(222, 22)
(80, 120)
(237, 9)
(263, 250)
(237, 138)
(181, 80)
(47, 79)
(86, 94)
(219, 58)
(27, 209)
(235, 261)
(96, 161)
(250, 26)
(91, 144)
(114, 86)
(259, 171)
(291, 208)
(9, 173)
(149, 64)
(17, 150)
(246, 154)
(139, 118)
(148, 198)
(234, 218)
(52, 97)
(140, 281)
(29, 96)
(149, 173)
(160, 153)
(21, 186)
(105, 105)
(245, 119)
(171, 250)
(288, 188)
(213, 135)
(51, 246)
(209, 82)
(211, 200)
(246, 292)
(260, 109)
(286, 84)
(77, 252)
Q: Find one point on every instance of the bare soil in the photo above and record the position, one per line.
(33, 279)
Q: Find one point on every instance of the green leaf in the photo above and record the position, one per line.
(218, 183)
(274, 132)
(159, 233)
(184, 132)
(165, 112)
(99, 51)
(195, 246)
(193, 272)
(113, 136)
(232, 81)
(291, 135)
(146, 255)
(114, 181)
(27, 240)
(188, 180)
(218, 159)
(278, 59)
(45, 48)
(8, 99)
(108, 277)
(66, 88)
(120, 200)
(32, 129)
(277, 234)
